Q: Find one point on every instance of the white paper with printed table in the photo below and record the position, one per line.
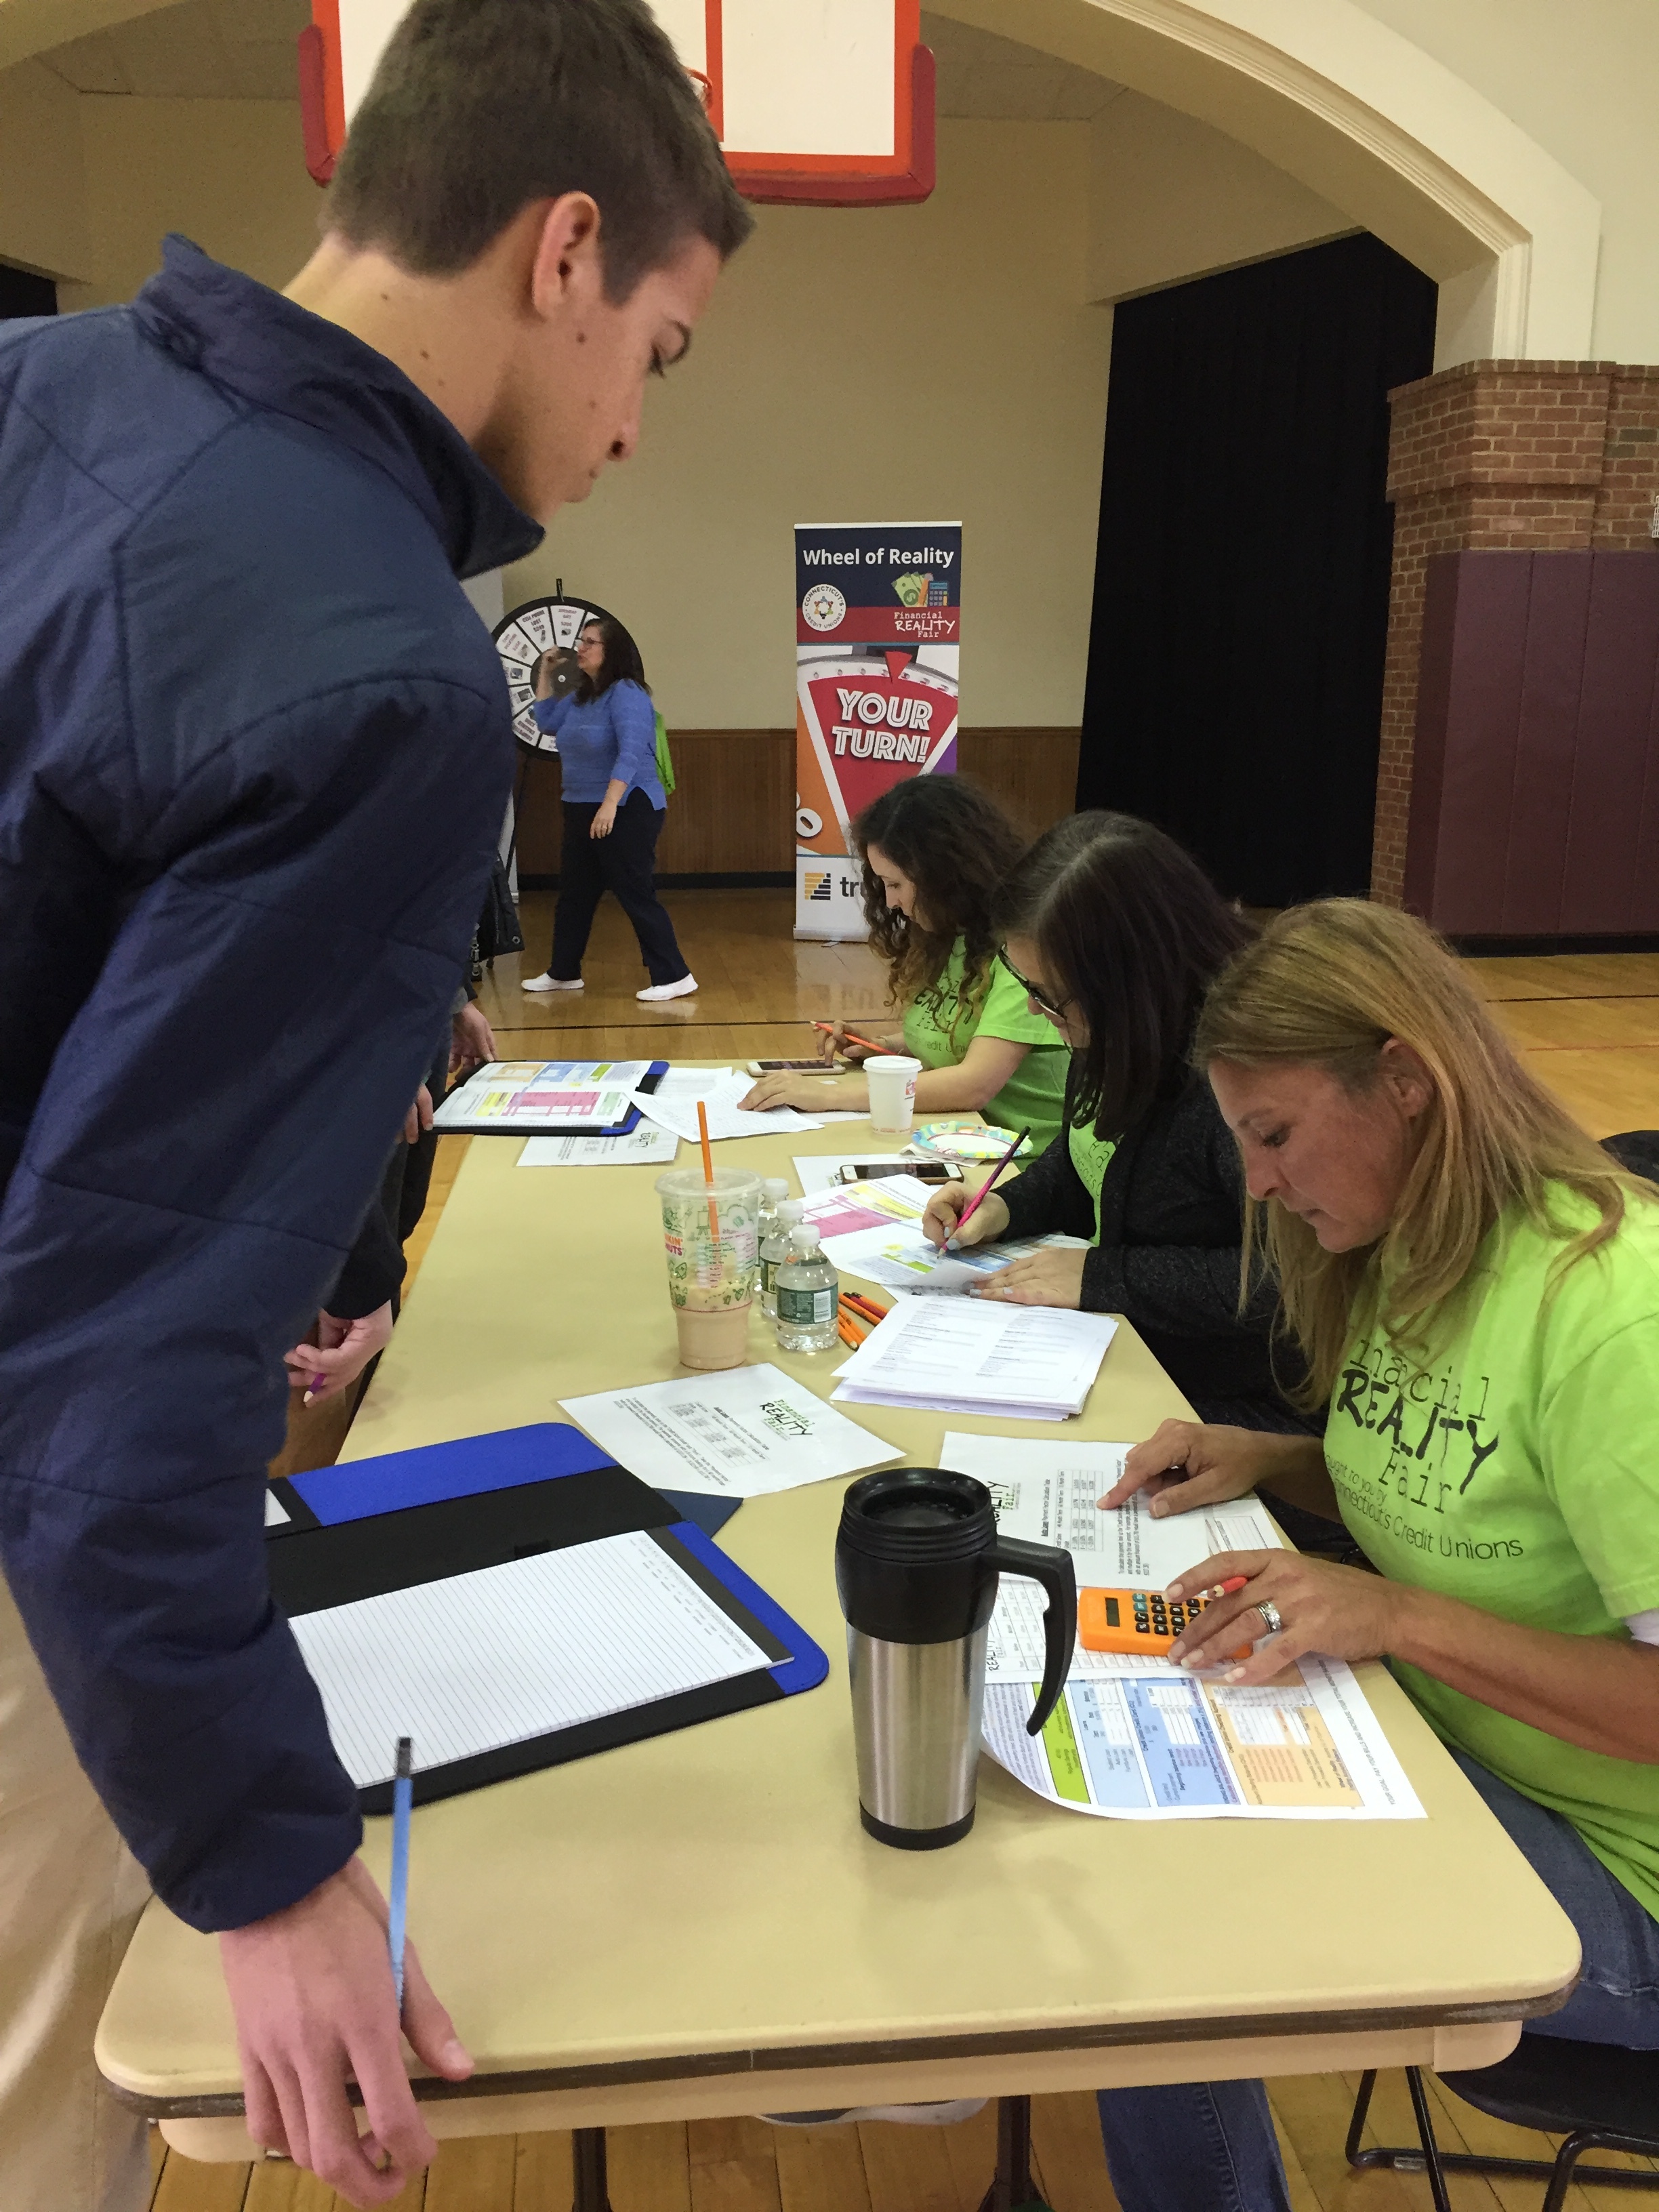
(1136, 1738)
(674, 1106)
(962, 1356)
(645, 1146)
(1046, 1494)
(474, 1662)
(521, 1097)
(744, 1433)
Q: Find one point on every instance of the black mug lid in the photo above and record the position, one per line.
(912, 1515)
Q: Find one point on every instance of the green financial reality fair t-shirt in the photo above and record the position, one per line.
(1090, 1156)
(1517, 1467)
(938, 1032)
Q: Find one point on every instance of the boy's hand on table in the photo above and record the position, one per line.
(471, 1040)
(311, 1989)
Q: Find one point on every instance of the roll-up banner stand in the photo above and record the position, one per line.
(878, 647)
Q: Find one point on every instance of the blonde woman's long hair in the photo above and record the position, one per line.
(1327, 986)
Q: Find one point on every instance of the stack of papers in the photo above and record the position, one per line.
(673, 1105)
(520, 1097)
(959, 1356)
(742, 1433)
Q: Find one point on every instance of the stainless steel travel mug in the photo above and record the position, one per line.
(917, 1558)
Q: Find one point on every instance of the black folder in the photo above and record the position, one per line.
(332, 1558)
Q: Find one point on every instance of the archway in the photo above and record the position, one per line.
(1371, 123)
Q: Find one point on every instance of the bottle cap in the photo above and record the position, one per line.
(790, 1209)
(777, 1186)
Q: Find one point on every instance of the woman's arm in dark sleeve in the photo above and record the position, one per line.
(1187, 1290)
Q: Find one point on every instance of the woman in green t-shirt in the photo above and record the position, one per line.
(934, 849)
(1474, 1284)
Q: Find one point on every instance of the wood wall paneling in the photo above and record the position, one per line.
(733, 809)
(1535, 790)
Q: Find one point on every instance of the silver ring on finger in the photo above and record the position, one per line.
(1271, 1614)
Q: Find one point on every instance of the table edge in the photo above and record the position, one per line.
(783, 2060)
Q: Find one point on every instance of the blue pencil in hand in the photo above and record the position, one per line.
(403, 1801)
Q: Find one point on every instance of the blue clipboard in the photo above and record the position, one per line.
(450, 1121)
(375, 1525)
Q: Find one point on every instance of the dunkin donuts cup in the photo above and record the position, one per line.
(712, 1272)
(892, 1079)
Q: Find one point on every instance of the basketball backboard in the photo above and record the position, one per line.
(825, 102)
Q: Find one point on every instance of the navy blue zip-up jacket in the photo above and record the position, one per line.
(254, 755)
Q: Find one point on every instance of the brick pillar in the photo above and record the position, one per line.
(1518, 456)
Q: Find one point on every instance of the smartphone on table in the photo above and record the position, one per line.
(789, 1067)
(923, 1170)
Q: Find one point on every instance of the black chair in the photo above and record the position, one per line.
(1636, 1150)
(1599, 2096)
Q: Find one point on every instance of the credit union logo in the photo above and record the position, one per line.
(824, 607)
(819, 884)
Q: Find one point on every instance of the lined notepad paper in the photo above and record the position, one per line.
(507, 1653)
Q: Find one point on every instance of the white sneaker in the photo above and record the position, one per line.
(552, 983)
(686, 985)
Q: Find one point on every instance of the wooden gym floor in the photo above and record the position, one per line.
(1589, 1025)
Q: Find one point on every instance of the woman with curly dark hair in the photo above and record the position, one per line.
(934, 849)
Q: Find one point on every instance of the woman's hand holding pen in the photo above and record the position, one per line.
(939, 1223)
(836, 1041)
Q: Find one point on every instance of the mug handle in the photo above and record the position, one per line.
(1057, 1571)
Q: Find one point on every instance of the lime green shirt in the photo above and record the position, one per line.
(1090, 1156)
(939, 1036)
(1517, 1468)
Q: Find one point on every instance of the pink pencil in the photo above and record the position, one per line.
(968, 1211)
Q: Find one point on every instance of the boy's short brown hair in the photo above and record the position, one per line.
(480, 106)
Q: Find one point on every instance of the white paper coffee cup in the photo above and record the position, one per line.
(892, 1079)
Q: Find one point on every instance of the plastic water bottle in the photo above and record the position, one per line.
(808, 1294)
(773, 1191)
(775, 1249)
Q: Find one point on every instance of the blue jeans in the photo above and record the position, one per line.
(1209, 2146)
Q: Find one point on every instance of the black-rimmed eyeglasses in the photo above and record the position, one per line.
(1055, 1009)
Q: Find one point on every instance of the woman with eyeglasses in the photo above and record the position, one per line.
(933, 850)
(1115, 933)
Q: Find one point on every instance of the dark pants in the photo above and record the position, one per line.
(625, 864)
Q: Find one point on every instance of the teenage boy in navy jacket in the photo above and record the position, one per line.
(254, 753)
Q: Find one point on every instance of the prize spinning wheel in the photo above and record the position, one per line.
(540, 626)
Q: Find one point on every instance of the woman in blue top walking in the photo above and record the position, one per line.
(614, 808)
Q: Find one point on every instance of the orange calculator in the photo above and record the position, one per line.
(1136, 1620)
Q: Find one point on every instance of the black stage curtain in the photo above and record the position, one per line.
(23, 293)
(1241, 583)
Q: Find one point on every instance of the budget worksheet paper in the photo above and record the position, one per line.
(743, 1433)
(531, 1094)
(913, 1267)
(1046, 1494)
(674, 1106)
(1150, 1742)
(646, 1146)
(962, 1356)
(506, 1653)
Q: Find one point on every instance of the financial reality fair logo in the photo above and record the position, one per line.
(824, 607)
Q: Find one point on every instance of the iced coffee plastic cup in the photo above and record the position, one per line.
(713, 1271)
(892, 1079)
